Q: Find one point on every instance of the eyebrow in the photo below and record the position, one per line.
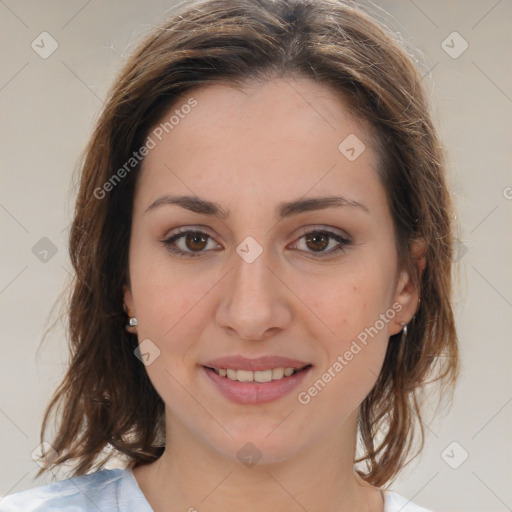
(284, 209)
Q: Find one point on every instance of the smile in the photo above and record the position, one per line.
(256, 387)
(256, 376)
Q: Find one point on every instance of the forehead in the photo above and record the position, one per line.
(277, 140)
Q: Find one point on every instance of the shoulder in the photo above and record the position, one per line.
(109, 490)
(393, 502)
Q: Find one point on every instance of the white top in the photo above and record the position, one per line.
(116, 490)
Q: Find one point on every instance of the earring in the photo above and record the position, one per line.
(131, 326)
(404, 331)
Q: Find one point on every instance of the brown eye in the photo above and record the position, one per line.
(189, 243)
(322, 243)
(317, 241)
(196, 241)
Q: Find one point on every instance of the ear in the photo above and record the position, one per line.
(128, 307)
(406, 294)
(128, 301)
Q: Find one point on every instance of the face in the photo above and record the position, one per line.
(271, 279)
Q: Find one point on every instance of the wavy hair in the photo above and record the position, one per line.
(106, 404)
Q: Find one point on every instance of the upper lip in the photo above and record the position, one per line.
(238, 362)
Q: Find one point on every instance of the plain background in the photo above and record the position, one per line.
(48, 109)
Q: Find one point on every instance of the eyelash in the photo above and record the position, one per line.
(168, 242)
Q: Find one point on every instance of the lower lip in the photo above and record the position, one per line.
(254, 393)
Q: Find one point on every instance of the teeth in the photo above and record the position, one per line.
(277, 373)
(258, 376)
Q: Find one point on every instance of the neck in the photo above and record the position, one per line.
(190, 476)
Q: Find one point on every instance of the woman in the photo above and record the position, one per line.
(262, 244)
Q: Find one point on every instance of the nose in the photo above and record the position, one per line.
(254, 305)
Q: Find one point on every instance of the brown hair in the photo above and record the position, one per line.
(106, 399)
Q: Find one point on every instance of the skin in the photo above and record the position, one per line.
(248, 150)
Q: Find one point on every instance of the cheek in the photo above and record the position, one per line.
(174, 315)
(354, 305)
(346, 302)
(167, 294)
(353, 355)
(171, 312)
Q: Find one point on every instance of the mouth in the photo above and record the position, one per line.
(261, 376)
(253, 381)
(266, 382)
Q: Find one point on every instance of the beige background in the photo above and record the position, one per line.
(48, 108)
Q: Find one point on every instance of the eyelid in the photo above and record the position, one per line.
(184, 230)
(187, 229)
(343, 239)
(304, 230)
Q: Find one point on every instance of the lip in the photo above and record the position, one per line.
(269, 362)
(253, 393)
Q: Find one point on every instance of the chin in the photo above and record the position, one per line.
(261, 446)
